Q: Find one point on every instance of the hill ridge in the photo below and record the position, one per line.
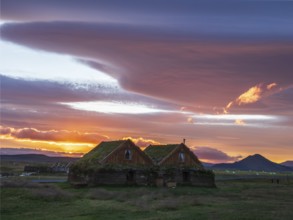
(255, 162)
(39, 158)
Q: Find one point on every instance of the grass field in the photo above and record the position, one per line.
(245, 199)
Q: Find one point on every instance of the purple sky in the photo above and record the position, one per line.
(218, 73)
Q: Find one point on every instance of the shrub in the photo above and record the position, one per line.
(37, 190)
(50, 192)
(19, 183)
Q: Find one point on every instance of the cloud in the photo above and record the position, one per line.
(239, 122)
(270, 86)
(141, 142)
(190, 120)
(207, 73)
(253, 94)
(214, 155)
(5, 131)
(197, 17)
(196, 56)
(19, 91)
(115, 107)
(250, 96)
(52, 135)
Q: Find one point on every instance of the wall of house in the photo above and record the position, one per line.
(137, 156)
(118, 178)
(195, 178)
(77, 178)
(143, 178)
(173, 160)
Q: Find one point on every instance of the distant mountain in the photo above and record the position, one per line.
(207, 165)
(18, 151)
(288, 163)
(255, 162)
(36, 158)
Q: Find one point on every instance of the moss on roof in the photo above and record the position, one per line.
(101, 151)
(159, 152)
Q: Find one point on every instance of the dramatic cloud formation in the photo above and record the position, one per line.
(52, 135)
(253, 95)
(85, 72)
(209, 154)
(202, 64)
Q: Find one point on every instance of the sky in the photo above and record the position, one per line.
(218, 73)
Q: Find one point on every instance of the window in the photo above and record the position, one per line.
(181, 157)
(128, 154)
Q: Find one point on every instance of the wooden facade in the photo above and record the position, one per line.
(173, 155)
(181, 156)
(128, 154)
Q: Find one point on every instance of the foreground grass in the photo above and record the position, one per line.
(251, 199)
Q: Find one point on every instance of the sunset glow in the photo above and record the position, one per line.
(76, 75)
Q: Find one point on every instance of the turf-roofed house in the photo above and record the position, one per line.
(123, 163)
(112, 163)
(177, 164)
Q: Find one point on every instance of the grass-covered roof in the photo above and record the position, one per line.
(159, 152)
(102, 150)
(93, 160)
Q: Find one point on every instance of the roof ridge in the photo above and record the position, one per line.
(102, 150)
(170, 153)
(141, 152)
(193, 155)
(122, 142)
(159, 152)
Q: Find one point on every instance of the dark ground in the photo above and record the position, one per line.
(232, 199)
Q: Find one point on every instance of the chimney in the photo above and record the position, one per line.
(183, 140)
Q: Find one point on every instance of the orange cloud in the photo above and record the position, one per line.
(141, 142)
(229, 105)
(239, 122)
(190, 120)
(270, 86)
(52, 135)
(41, 145)
(252, 95)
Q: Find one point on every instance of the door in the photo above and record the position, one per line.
(130, 177)
(186, 176)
